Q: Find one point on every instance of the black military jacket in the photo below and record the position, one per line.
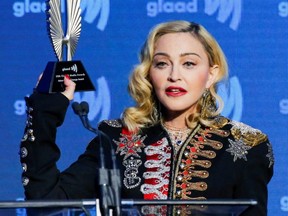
(229, 161)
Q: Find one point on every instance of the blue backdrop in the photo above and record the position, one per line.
(253, 34)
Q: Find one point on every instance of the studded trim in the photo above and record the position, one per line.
(270, 155)
(189, 209)
(196, 153)
(23, 152)
(25, 181)
(29, 133)
(24, 167)
(114, 123)
(28, 136)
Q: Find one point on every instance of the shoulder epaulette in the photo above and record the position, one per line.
(250, 136)
(113, 123)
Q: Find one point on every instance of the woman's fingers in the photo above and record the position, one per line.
(69, 87)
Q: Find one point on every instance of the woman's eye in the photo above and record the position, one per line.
(160, 64)
(189, 64)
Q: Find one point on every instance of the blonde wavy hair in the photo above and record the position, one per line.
(146, 111)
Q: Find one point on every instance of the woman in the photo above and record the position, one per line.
(173, 144)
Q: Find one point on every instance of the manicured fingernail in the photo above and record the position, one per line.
(67, 76)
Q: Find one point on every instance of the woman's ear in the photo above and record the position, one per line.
(213, 73)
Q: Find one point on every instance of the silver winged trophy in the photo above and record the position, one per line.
(64, 43)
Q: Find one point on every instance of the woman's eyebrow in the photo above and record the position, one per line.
(190, 53)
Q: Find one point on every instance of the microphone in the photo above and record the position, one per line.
(82, 111)
(108, 197)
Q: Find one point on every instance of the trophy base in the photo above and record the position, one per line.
(52, 79)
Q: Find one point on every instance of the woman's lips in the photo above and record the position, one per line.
(175, 91)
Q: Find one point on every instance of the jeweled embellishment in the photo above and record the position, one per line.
(249, 135)
(238, 149)
(157, 171)
(29, 131)
(114, 123)
(177, 136)
(129, 144)
(270, 155)
(25, 181)
(131, 180)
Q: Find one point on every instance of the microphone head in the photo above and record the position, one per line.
(76, 108)
(84, 107)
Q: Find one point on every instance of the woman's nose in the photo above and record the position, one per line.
(174, 74)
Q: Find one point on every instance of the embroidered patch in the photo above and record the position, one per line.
(156, 177)
(129, 144)
(238, 149)
(131, 180)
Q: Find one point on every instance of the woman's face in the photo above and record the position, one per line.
(180, 72)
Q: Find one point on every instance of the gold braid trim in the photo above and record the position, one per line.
(188, 187)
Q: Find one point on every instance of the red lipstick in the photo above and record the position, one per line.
(175, 91)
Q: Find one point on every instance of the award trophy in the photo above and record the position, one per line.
(52, 79)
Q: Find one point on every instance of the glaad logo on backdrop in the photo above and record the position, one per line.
(284, 203)
(20, 8)
(233, 99)
(91, 10)
(283, 9)
(224, 9)
(283, 105)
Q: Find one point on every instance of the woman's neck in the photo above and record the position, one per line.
(177, 122)
(176, 119)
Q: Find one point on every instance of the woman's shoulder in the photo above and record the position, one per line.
(242, 132)
(246, 142)
(111, 123)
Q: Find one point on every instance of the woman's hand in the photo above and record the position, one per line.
(69, 87)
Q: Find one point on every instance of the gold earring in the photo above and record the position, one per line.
(208, 104)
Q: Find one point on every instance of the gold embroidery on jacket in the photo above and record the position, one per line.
(219, 122)
(186, 189)
(249, 135)
(196, 156)
(184, 210)
(191, 163)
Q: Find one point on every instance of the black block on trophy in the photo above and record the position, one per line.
(52, 79)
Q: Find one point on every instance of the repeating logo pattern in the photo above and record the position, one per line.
(223, 9)
(240, 22)
(231, 94)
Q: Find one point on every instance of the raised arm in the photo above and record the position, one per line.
(39, 153)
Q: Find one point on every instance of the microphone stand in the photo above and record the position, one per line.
(108, 179)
